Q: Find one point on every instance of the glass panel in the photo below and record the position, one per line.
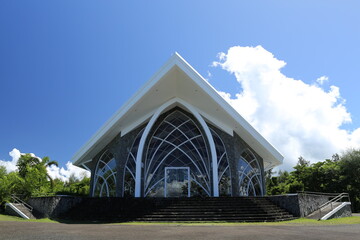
(177, 142)
(177, 182)
(105, 176)
(250, 179)
(224, 177)
(130, 168)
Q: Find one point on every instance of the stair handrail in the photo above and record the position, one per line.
(338, 198)
(18, 200)
(319, 193)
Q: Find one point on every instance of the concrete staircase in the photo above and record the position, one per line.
(241, 209)
(19, 210)
(334, 208)
(228, 209)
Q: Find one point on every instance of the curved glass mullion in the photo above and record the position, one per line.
(243, 172)
(189, 140)
(163, 150)
(256, 176)
(105, 175)
(176, 142)
(104, 167)
(154, 185)
(252, 185)
(102, 187)
(247, 185)
(162, 141)
(127, 168)
(250, 178)
(113, 175)
(222, 174)
(176, 148)
(198, 154)
(196, 165)
(193, 179)
(221, 158)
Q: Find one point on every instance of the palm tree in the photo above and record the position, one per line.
(25, 162)
(46, 162)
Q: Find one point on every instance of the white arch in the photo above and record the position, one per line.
(173, 102)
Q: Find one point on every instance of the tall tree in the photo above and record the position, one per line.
(46, 162)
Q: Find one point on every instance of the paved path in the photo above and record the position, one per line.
(59, 231)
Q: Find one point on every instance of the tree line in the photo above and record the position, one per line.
(32, 180)
(339, 174)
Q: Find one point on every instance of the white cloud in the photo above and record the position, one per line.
(64, 174)
(322, 79)
(297, 118)
(11, 165)
(54, 171)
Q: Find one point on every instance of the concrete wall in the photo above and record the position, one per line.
(287, 202)
(343, 212)
(300, 205)
(308, 203)
(52, 207)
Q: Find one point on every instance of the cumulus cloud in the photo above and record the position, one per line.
(322, 79)
(65, 173)
(54, 171)
(11, 165)
(296, 117)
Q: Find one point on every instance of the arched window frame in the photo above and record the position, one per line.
(106, 158)
(222, 156)
(132, 157)
(166, 106)
(150, 169)
(249, 174)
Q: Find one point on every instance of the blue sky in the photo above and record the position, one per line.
(67, 66)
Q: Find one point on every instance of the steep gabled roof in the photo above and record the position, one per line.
(177, 80)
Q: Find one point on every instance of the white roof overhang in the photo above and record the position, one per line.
(178, 80)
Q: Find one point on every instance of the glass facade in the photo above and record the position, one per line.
(250, 177)
(130, 168)
(177, 142)
(176, 162)
(224, 177)
(105, 176)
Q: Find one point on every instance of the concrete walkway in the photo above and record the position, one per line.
(59, 231)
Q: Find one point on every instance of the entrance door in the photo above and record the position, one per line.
(177, 182)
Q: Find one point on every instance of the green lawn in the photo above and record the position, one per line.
(300, 221)
(18, 219)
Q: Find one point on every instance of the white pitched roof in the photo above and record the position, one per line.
(177, 79)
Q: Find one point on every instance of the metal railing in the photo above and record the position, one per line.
(18, 200)
(319, 193)
(330, 203)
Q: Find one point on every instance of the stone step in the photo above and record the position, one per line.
(237, 209)
(213, 215)
(226, 219)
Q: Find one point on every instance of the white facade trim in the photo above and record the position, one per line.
(135, 124)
